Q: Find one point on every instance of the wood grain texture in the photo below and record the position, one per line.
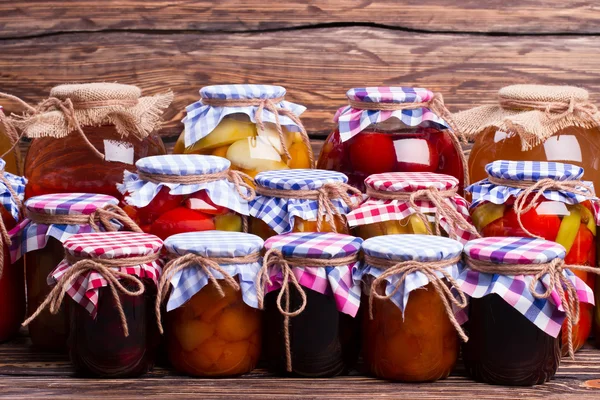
(25, 374)
(19, 18)
(316, 66)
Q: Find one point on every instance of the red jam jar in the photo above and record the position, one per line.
(392, 129)
(12, 278)
(181, 193)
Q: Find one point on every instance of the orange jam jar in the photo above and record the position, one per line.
(12, 277)
(546, 200)
(411, 334)
(250, 125)
(85, 135)
(213, 324)
(392, 129)
(412, 203)
(303, 200)
(8, 137)
(180, 193)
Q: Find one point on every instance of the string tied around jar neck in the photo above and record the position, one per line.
(107, 268)
(272, 106)
(207, 264)
(444, 210)
(275, 258)
(555, 109)
(326, 208)
(4, 236)
(100, 218)
(558, 281)
(428, 268)
(238, 178)
(437, 106)
(538, 188)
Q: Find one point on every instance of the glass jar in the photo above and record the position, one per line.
(524, 133)
(213, 330)
(99, 344)
(324, 335)
(387, 209)
(40, 241)
(174, 194)
(247, 135)
(410, 336)
(410, 138)
(288, 201)
(61, 159)
(12, 284)
(513, 336)
(557, 215)
(13, 158)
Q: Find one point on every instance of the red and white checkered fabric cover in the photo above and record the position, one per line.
(107, 245)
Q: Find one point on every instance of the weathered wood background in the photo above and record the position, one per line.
(316, 49)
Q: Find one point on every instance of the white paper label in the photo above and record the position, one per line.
(117, 151)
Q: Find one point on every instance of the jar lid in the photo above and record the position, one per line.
(543, 93)
(96, 91)
(242, 92)
(182, 164)
(390, 94)
(68, 203)
(412, 247)
(325, 245)
(112, 245)
(214, 244)
(514, 250)
(533, 170)
(298, 179)
(410, 181)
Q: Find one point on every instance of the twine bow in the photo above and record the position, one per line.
(326, 208)
(444, 209)
(5, 239)
(521, 204)
(271, 105)
(555, 110)
(106, 268)
(430, 269)
(207, 265)
(437, 106)
(558, 281)
(274, 258)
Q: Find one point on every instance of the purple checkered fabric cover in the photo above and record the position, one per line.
(352, 121)
(202, 119)
(29, 236)
(546, 314)
(336, 281)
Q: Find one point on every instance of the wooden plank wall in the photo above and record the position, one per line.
(316, 49)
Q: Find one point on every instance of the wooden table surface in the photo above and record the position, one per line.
(25, 374)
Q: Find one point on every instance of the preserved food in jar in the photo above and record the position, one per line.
(410, 335)
(561, 213)
(174, 194)
(392, 129)
(12, 285)
(320, 322)
(407, 202)
(301, 201)
(513, 325)
(8, 137)
(101, 342)
(250, 125)
(213, 325)
(50, 220)
(86, 135)
(522, 128)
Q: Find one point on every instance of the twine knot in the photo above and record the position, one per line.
(272, 106)
(428, 268)
(555, 109)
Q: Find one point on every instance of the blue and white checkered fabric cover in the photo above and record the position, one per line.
(352, 121)
(203, 119)
(18, 185)
(186, 283)
(527, 171)
(221, 192)
(279, 213)
(407, 248)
